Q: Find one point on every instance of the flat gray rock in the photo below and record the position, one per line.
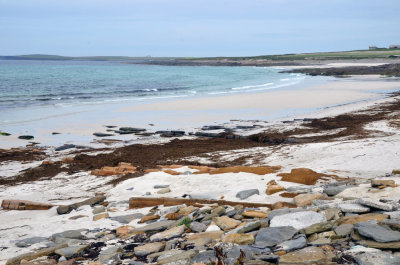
(244, 194)
(344, 229)
(353, 208)
(156, 226)
(374, 258)
(27, 242)
(70, 251)
(126, 219)
(197, 227)
(293, 244)
(272, 236)
(376, 232)
(160, 186)
(72, 234)
(298, 220)
(375, 204)
(278, 212)
(299, 189)
(333, 190)
(248, 227)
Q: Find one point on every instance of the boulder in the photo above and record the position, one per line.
(298, 220)
(271, 236)
(197, 227)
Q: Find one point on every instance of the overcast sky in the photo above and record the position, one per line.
(195, 28)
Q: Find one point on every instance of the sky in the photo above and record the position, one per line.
(195, 27)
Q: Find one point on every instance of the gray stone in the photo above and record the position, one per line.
(110, 256)
(197, 227)
(68, 208)
(278, 212)
(99, 209)
(73, 234)
(316, 228)
(272, 258)
(233, 252)
(156, 226)
(344, 229)
(126, 219)
(244, 194)
(335, 190)
(247, 227)
(294, 244)
(299, 189)
(375, 204)
(169, 234)
(376, 232)
(375, 257)
(298, 220)
(160, 186)
(204, 257)
(353, 208)
(321, 241)
(70, 251)
(149, 248)
(271, 236)
(182, 258)
(27, 242)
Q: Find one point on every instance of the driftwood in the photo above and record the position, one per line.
(68, 208)
(24, 205)
(140, 202)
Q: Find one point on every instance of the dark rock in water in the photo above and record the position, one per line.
(131, 129)
(126, 219)
(244, 194)
(377, 232)
(68, 208)
(111, 126)
(26, 137)
(308, 119)
(208, 134)
(27, 242)
(124, 132)
(245, 127)
(55, 133)
(99, 134)
(65, 147)
(212, 127)
(170, 133)
(271, 236)
(287, 121)
(4, 133)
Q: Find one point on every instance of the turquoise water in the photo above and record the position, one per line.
(43, 83)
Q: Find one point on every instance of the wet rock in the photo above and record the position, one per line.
(27, 242)
(149, 248)
(309, 255)
(226, 223)
(126, 219)
(271, 236)
(100, 134)
(26, 137)
(353, 208)
(244, 194)
(375, 204)
(344, 229)
(169, 234)
(65, 147)
(298, 220)
(71, 251)
(294, 244)
(377, 232)
(197, 227)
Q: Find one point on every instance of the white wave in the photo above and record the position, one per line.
(255, 86)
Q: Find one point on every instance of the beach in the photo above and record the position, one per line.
(303, 140)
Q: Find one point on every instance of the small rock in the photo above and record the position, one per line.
(308, 255)
(72, 234)
(100, 216)
(25, 137)
(240, 239)
(164, 190)
(375, 204)
(273, 187)
(149, 248)
(317, 228)
(362, 218)
(244, 194)
(27, 242)
(169, 234)
(305, 199)
(156, 226)
(99, 209)
(254, 214)
(126, 219)
(147, 218)
(353, 208)
(382, 183)
(344, 229)
(246, 227)
(160, 186)
(226, 223)
(293, 244)
(197, 227)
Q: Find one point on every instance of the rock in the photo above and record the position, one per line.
(121, 169)
(205, 257)
(187, 210)
(376, 232)
(361, 218)
(34, 255)
(298, 220)
(24, 205)
(126, 219)
(303, 176)
(72, 234)
(271, 236)
(183, 258)
(375, 204)
(70, 251)
(368, 256)
(246, 227)
(344, 229)
(335, 190)
(240, 239)
(212, 235)
(331, 214)
(212, 227)
(110, 256)
(254, 214)
(197, 227)
(99, 209)
(164, 190)
(317, 228)
(100, 216)
(309, 255)
(100, 134)
(160, 186)
(173, 216)
(305, 199)
(169, 234)
(244, 194)
(273, 187)
(27, 242)
(68, 208)
(299, 189)
(392, 223)
(26, 137)
(353, 208)
(233, 252)
(382, 183)
(321, 241)
(374, 244)
(41, 261)
(226, 223)
(396, 171)
(155, 227)
(278, 212)
(123, 230)
(149, 248)
(147, 218)
(65, 147)
(294, 244)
